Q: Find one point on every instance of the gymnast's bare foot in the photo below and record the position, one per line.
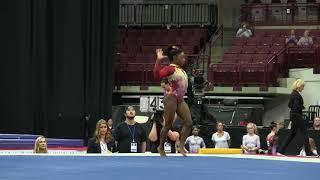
(161, 151)
(182, 151)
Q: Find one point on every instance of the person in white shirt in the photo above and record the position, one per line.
(195, 142)
(221, 139)
(251, 141)
(305, 40)
(244, 32)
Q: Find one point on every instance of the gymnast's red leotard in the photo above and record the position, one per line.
(176, 76)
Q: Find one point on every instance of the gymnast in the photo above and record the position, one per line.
(177, 80)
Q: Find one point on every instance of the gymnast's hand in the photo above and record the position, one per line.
(160, 55)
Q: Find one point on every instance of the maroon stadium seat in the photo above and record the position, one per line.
(253, 41)
(230, 58)
(252, 74)
(223, 74)
(234, 50)
(245, 58)
(239, 41)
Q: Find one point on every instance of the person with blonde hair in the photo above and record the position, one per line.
(251, 141)
(40, 145)
(102, 141)
(297, 123)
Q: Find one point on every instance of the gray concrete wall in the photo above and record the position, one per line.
(229, 12)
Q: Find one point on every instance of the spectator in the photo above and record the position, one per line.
(110, 125)
(244, 31)
(195, 142)
(272, 139)
(292, 39)
(296, 105)
(313, 148)
(316, 124)
(173, 136)
(40, 145)
(305, 40)
(221, 139)
(129, 135)
(281, 125)
(251, 141)
(102, 141)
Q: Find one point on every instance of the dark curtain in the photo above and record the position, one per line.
(57, 65)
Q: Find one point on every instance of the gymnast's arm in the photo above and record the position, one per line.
(160, 72)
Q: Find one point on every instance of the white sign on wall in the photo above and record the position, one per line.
(151, 103)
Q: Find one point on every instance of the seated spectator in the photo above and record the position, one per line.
(157, 121)
(316, 124)
(221, 138)
(251, 141)
(130, 136)
(292, 39)
(305, 40)
(272, 139)
(195, 142)
(244, 31)
(102, 141)
(40, 145)
(313, 148)
(281, 125)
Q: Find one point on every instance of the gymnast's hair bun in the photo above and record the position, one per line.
(171, 51)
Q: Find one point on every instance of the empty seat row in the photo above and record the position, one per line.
(237, 75)
(246, 58)
(254, 49)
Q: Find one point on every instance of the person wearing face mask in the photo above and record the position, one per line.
(244, 31)
(195, 142)
(130, 136)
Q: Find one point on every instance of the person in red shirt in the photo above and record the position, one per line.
(175, 87)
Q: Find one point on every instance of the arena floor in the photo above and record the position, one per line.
(152, 167)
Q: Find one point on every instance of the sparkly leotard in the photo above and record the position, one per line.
(177, 78)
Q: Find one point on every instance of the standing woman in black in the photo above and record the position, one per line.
(297, 122)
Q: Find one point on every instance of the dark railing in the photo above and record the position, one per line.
(281, 14)
(167, 14)
(262, 74)
(213, 40)
(141, 74)
(304, 57)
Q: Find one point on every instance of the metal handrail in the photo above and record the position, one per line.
(213, 39)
